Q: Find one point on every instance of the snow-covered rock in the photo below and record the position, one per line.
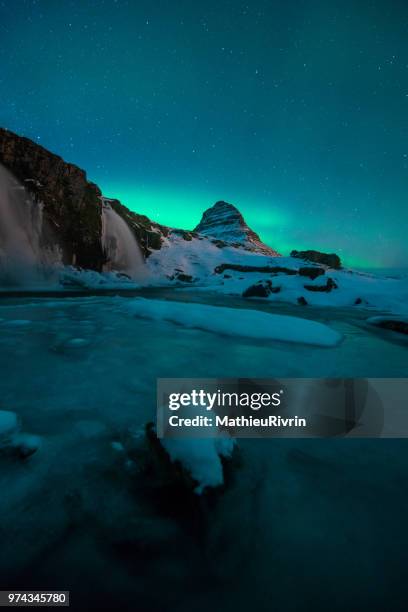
(224, 222)
(71, 277)
(198, 256)
(201, 458)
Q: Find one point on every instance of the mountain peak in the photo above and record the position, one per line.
(223, 221)
(222, 204)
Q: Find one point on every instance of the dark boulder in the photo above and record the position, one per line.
(311, 272)
(243, 268)
(330, 284)
(393, 324)
(260, 289)
(327, 259)
(182, 277)
(302, 301)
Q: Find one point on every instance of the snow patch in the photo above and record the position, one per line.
(199, 257)
(241, 322)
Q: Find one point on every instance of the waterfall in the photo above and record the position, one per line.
(26, 260)
(22, 259)
(120, 246)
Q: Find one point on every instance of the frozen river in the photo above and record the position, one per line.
(81, 373)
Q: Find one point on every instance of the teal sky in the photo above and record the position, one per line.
(296, 112)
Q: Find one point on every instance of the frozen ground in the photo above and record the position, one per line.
(199, 258)
(305, 523)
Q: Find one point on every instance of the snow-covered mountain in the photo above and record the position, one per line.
(224, 222)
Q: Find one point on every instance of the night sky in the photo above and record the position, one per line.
(295, 111)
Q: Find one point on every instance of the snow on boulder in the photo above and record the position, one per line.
(201, 458)
(234, 321)
(262, 288)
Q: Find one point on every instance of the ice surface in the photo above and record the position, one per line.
(379, 319)
(8, 424)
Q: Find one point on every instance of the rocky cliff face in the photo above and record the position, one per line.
(72, 210)
(72, 206)
(223, 222)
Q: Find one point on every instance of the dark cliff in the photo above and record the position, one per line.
(72, 206)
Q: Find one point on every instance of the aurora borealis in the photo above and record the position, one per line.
(296, 112)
